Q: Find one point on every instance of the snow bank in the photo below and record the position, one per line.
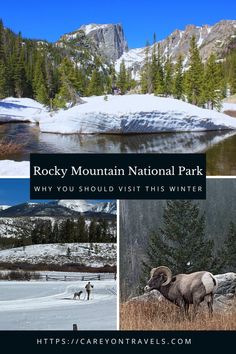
(135, 114)
(10, 168)
(21, 109)
(228, 107)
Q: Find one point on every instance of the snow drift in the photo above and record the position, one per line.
(133, 114)
(21, 110)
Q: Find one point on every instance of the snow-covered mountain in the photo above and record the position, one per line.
(4, 207)
(106, 208)
(218, 39)
(62, 208)
(80, 206)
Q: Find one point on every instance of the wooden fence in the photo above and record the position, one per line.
(86, 277)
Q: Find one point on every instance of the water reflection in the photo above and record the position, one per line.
(220, 146)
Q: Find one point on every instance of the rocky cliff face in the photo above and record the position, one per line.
(216, 39)
(108, 39)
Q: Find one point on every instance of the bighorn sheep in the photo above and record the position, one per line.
(184, 289)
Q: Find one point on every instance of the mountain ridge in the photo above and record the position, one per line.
(63, 208)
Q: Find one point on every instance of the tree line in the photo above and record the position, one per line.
(59, 74)
(62, 231)
(51, 74)
(182, 245)
(202, 84)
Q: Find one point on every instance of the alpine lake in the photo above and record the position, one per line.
(219, 146)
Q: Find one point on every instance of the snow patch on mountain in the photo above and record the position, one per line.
(4, 207)
(76, 205)
(92, 27)
(106, 207)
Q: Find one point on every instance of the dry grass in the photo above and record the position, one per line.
(230, 113)
(10, 148)
(165, 316)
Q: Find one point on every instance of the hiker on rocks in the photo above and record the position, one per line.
(88, 288)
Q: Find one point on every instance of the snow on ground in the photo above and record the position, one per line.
(228, 107)
(92, 255)
(117, 115)
(49, 305)
(21, 109)
(11, 168)
(135, 114)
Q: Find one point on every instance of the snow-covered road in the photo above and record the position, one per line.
(41, 305)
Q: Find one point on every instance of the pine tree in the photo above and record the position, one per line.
(20, 79)
(194, 76)
(178, 88)
(180, 243)
(154, 65)
(213, 92)
(146, 77)
(2, 52)
(122, 80)
(82, 232)
(68, 79)
(230, 71)
(3, 80)
(168, 77)
(41, 94)
(95, 87)
(227, 255)
(159, 85)
(92, 230)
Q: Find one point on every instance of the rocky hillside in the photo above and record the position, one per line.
(107, 40)
(218, 39)
(92, 255)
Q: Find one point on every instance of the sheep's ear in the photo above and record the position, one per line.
(173, 279)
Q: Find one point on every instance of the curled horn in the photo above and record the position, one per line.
(165, 270)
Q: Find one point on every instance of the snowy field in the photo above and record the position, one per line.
(41, 305)
(91, 255)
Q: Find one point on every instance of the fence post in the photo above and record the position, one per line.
(46, 277)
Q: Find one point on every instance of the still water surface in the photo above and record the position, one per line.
(220, 147)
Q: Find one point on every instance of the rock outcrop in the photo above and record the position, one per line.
(109, 39)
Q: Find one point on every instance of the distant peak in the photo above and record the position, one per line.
(93, 27)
